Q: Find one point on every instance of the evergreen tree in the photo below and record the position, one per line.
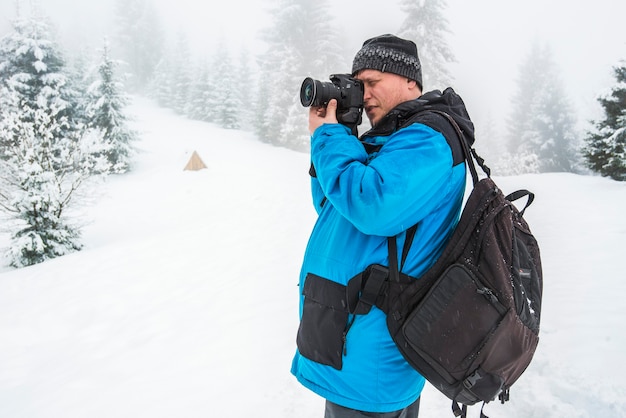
(426, 25)
(138, 40)
(210, 98)
(245, 89)
(45, 152)
(174, 79)
(227, 96)
(488, 143)
(162, 82)
(78, 71)
(293, 53)
(105, 111)
(32, 67)
(555, 123)
(181, 75)
(197, 108)
(541, 133)
(262, 122)
(605, 148)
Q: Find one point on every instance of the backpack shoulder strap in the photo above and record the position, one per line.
(468, 155)
(467, 152)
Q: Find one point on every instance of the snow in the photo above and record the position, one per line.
(184, 300)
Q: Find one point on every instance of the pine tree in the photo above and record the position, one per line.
(45, 152)
(30, 174)
(181, 75)
(210, 97)
(541, 129)
(138, 40)
(105, 111)
(161, 86)
(605, 148)
(199, 91)
(245, 90)
(555, 122)
(226, 95)
(262, 121)
(175, 79)
(293, 53)
(427, 26)
(489, 146)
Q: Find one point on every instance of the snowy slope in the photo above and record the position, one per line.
(184, 301)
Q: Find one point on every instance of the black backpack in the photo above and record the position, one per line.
(470, 324)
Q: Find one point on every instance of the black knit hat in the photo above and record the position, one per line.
(389, 54)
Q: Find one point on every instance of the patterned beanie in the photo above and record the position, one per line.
(389, 54)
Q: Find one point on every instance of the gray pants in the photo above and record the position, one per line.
(337, 411)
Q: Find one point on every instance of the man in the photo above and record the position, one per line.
(401, 173)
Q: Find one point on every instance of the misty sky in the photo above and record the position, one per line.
(489, 37)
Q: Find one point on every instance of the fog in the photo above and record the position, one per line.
(488, 37)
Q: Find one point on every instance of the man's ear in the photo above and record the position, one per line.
(412, 86)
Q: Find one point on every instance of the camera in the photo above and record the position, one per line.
(347, 90)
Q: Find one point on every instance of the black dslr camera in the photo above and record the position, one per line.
(347, 90)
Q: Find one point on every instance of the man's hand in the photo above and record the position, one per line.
(321, 115)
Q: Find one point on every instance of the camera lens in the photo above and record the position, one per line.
(307, 92)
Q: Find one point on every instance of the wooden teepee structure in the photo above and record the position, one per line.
(195, 163)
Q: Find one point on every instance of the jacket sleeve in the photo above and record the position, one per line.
(406, 179)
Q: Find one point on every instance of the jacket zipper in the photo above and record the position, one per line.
(344, 337)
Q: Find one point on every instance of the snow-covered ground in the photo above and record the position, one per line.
(184, 301)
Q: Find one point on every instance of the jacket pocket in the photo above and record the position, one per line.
(321, 334)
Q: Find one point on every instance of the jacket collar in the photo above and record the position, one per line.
(400, 116)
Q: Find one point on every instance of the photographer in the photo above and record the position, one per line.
(405, 171)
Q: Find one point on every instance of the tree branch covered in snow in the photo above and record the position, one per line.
(47, 151)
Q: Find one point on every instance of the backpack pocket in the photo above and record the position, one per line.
(527, 284)
(458, 312)
(323, 325)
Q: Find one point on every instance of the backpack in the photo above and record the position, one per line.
(470, 324)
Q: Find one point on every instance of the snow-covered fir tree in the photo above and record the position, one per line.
(605, 145)
(181, 74)
(171, 82)
(138, 40)
(208, 99)
(426, 25)
(488, 142)
(184, 86)
(541, 128)
(106, 112)
(199, 93)
(245, 89)
(227, 96)
(161, 86)
(293, 53)
(261, 121)
(46, 153)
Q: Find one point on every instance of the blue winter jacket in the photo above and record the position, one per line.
(361, 199)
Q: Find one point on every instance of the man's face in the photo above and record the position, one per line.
(383, 92)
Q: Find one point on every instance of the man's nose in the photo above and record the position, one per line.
(366, 93)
